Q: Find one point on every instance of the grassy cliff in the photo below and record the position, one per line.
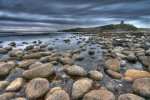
(111, 27)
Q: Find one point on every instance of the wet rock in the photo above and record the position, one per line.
(29, 47)
(45, 59)
(21, 98)
(37, 88)
(75, 70)
(57, 93)
(13, 44)
(66, 40)
(131, 58)
(76, 51)
(33, 56)
(15, 73)
(43, 45)
(101, 94)
(26, 63)
(37, 64)
(43, 71)
(8, 96)
(114, 74)
(17, 53)
(112, 64)
(6, 68)
(142, 87)
(3, 51)
(66, 61)
(95, 75)
(80, 87)
(140, 54)
(15, 85)
(45, 53)
(147, 52)
(122, 63)
(135, 74)
(3, 84)
(145, 60)
(79, 57)
(91, 52)
(127, 79)
(9, 48)
(130, 96)
(67, 55)
(50, 48)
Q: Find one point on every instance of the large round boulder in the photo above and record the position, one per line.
(142, 87)
(36, 88)
(113, 64)
(75, 70)
(43, 71)
(26, 63)
(80, 87)
(66, 61)
(95, 75)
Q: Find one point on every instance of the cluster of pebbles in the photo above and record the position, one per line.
(41, 72)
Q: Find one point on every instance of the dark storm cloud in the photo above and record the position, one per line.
(74, 13)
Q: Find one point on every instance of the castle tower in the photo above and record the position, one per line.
(122, 22)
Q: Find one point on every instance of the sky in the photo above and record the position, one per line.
(66, 14)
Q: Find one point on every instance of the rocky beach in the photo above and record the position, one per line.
(65, 66)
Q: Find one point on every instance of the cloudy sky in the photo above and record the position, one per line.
(65, 14)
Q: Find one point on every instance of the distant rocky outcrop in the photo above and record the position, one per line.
(111, 27)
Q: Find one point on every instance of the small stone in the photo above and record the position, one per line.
(21, 98)
(80, 87)
(66, 61)
(91, 52)
(15, 85)
(130, 96)
(32, 56)
(37, 88)
(29, 47)
(114, 74)
(3, 51)
(12, 44)
(75, 70)
(102, 94)
(79, 57)
(127, 79)
(15, 73)
(7, 96)
(57, 93)
(3, 84)
(95, 75)
(135, 74)
(43, 45)
(17, 53)
(113, 64)
(131, 58)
